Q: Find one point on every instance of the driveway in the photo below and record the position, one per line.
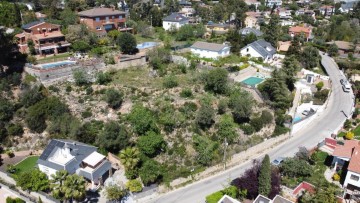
(326, 123)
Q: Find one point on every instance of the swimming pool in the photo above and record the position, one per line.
(147, 45)
(296, 119)
(252, 81)
(57, 64)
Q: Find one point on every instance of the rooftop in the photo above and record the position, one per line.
(299, 29)
(354, 164)
(263, 47)
(248, 30)
(175, 17)
(262, 199)
(100, 12)
(228, 199)
(48, 35)
(346, 150)
(94, 158)
(208, 46)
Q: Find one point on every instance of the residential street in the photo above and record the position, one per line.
(325, 123)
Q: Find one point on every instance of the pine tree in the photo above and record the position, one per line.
(272, 31)
(265, 176)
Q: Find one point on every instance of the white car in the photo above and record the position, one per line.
(277, 161)
(305, 112)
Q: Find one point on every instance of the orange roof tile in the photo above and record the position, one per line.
(299, 29)
(354, 164)
(346, 150)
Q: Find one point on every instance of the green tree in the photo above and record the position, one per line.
(151, 144)
(333, 50)
(142, 120)
(265, 176)
(68, 17)
(114, 193)
(310, 57)
(293, 167)
(134, 185)
(113, 137)
(80, 46)
(319, 85)
(130, 157)
(10, 15)
(295, 47)
(114, 35)
(205, 148)
(272, 31)
(74, 188)
(114, 98)
(57, 182)
(15, 129)
(205, 116)
(241, 104)
(170, 82)
(216, 80)
(150, 172)
(6, 110)
(33, 180)
(227, 128)
(127, 43)
(31, 96)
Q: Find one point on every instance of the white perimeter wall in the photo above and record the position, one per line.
(167, 24)
(210, 54)
(48, 171)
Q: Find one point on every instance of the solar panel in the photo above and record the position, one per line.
(50, 147)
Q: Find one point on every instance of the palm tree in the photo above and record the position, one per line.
(129, 157)
(57, 181)
(74, 188)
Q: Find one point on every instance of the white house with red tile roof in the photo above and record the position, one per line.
(349, 152)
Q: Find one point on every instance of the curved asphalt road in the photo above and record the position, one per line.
(322, 126)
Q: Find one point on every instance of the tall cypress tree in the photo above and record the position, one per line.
(265, 176)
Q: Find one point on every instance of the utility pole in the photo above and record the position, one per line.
(225, 146)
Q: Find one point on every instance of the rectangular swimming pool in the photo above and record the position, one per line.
(252, 81)
(57, 64)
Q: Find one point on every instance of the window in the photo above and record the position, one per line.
(247, 49)
(112, 17)
(97, 19)
(354, 177)
(107, 18)
(98, 28)
(120, 17)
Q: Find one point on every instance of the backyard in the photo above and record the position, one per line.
(25, 165)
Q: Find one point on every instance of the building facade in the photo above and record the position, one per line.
(210, 50)
(42, 38)
(102, 20)
(174, 21)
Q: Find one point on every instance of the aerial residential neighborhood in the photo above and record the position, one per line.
(179, 101)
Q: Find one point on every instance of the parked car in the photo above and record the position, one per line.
(305, 112)
(342, 81)
(277, 161)
(345, 89)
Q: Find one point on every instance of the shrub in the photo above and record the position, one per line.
(186, 93)
(279, 130)
(214, 197)
(80, 77)
(336, 177)
(256, 123)
(114, 98)
(347, 124)
(89, 90)
(223, 104)
(248, 129)
(349, 135)
(319, 85)
(170, 82)
(15, 129)
(68, 88)
(103, 78)
(86, 114)
(14, 200)
(134, 185)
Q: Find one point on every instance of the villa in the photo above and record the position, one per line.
(174, 21)
(259, 49)
(102, 20)
(248, 30)
(46, 38)
(298, 30)
(210, 50)
(348, 153)
(75, 157)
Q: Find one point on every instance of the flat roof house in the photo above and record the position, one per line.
(210, 50)
(259, 49)
(248, 30)
(174, 21)
(102, 20)
(74, 157)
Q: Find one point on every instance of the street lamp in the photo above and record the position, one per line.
(225, 146)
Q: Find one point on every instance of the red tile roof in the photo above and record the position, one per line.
(354, 164)
(346, 150)
(299, 29)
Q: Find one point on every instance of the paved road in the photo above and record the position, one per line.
(322, 126)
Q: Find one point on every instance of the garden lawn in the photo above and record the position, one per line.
(55, 58)
(27, 164)
(357, 131)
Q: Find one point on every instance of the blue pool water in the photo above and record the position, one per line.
(252, 81)
(297, 118)
(57, 64)
(146, 45)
